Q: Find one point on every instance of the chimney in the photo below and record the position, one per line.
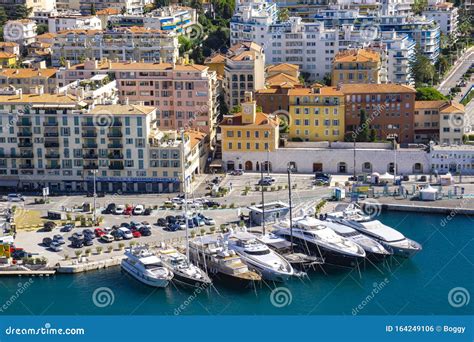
(248, 96)
(127, 102)
(68, 64)
(40, 89)
(80, 93)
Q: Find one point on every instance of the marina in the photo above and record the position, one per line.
(319, 293)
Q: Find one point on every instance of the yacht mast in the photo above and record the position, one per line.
(263, 199)
(183, 174)
(289, 202)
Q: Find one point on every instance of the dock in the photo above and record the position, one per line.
(29, 273)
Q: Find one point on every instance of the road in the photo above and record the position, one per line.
(459, 68)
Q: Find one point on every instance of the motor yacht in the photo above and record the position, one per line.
(146, 267)
(390, 238)
(315, 238)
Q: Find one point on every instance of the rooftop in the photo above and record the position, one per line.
(7, 55)
(328, 91)
(108, 65)
(357, 55)
(119, 109)
(28, 73)
(261, 119)
(35, 99)
(429, 104)
(376, 88)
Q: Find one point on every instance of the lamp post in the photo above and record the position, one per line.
(268, 162)
(94, 172)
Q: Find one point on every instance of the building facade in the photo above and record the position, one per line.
(28, 80)
(73, 22)
(356, 66)
(22, 32)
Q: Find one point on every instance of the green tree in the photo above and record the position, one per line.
(23, 12)
(162, 3)
(41, 28)
(428, 94)
(3, 16)
(419, 6)
(422, 69)
(363, 129)
(93, 11)
(373, 135)
(283, 14)
(184, 44)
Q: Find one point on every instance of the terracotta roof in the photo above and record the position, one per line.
(47, 35)
(123, 30)
(376, 88)
(28, 73)
(143, 66)
(196, 137)
(282, 80)
(429, 104)
(242, 50)
(108, 11)
(4, 54)
(452, 107)
(261, 119)
(360, 55)
(80, 31)
(11, 44)
(328, 91)
(282, 67)
(34, 98)
(119, 109)
(217, 58)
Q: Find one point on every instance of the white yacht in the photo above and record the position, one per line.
(185, 273)
(213, 254)
(315, 238)
(374, 250)
(259, 257)
(390, 238)
(146, 267)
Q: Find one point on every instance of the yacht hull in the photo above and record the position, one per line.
(185, 280)
(142, 278)
(404, 252)
(266, 273)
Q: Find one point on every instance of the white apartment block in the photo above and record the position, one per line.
(445, 14)
(56, 141)
(454, 159)
(22, 32)
(451, 124)
(73, 22)
(133, 43)
(130, 6)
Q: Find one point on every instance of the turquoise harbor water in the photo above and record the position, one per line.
(409, 287)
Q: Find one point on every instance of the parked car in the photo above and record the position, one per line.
(125, 224)
(237, 172)
(77, 243)
(87, 231)
(47, 241)
(117, 235)
(107, 238)
(145, 231)
(198, 222)
(55, 246)
(67, 228)
(207, 220)
(20, 253)
(126, 233)
(147, 212)
(139, 210)
(15, 198)
(59, 239)
(191, 223)
(136, 234)
(178, 200)
(119, 210)
(88, 241)
(99, 232)
(107, 230)
(210, 203)
(182, 224)
(77, 235)
(172, 227)
(170, 219)
(110, 208)
(49, 226)
(264, 182)
(161, 222)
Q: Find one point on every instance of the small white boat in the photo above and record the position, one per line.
(146, 267)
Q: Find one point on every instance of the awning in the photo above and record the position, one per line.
(217, 163)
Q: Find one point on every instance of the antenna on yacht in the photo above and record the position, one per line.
(263, 199)
(289, 202)
(183, 174)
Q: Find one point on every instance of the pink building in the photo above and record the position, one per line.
(185, 94)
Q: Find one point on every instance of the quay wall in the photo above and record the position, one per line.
(431, 209)
(91, 265)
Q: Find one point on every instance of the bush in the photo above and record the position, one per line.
(78, 253)
(279, 187)
(223, 206)
(232, 206)
(203, 231)
(272, 188)
(87, 251)
(212, 229)
(110, 249)
(99, 249)
(193, 234)
(215, 206)
(121, 245)
(66, 256)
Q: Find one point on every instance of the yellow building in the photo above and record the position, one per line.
(216, 63)
(316, 114)
(356, 66)
(7, 59)
(249, 130)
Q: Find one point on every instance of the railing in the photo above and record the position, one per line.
(27, 166)
(89, 145)
(91, 167)
(115, 135)
(115, 156)
(52, 156)
(25, 144)
(89, 134)
(116, 167)
(51, 144)
(53, 167)
(115, 145)
(50, 124)
(91, 156)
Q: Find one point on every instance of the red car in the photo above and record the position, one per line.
(128, 210)
(98, 232)
(136, 234)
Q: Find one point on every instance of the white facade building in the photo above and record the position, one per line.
(71, 22)
(445, 14)
(454, 159)
(22, 32)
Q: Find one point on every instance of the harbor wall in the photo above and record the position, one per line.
(90, 266)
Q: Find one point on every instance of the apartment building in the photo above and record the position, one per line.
(8, 59)
(28, 80)
(133, 43)
(11, 6)
(445, 14)
(55, 140)
(451, 124)
(10, 47)
(244, 72)
(216, 62)
(128, 6)
(73, 22)
(316, 114)
(426, 121)
(249, 131)
(389, 109)
(185, 94)
(356, 66)
(454, 159)
(22, 32)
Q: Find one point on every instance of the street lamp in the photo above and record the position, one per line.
(94, 172)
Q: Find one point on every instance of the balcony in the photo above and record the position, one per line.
(117, 166)
(24, 123)
(90, 156)
(91, 167)
(27, 166)
(52, 156)
(50, 124)
(89, 134)
(51, 134)
(115, 156)
(115, 145)
(117, 123)
(115, 135)
(88, 124)
(25, 155)
(53, 167)
(25, 134)
(49, 144)
(25, 144)
(89, 145)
